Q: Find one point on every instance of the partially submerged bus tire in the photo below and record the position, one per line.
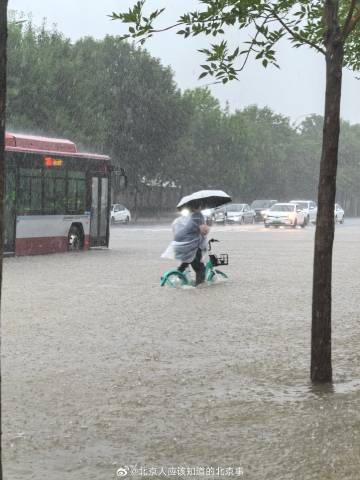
(76, 237)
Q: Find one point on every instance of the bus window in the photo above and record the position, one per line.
(30, 191)
(54, 189)
(76, 192)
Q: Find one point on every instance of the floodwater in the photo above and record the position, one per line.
(103, 370)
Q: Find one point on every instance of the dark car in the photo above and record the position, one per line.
(260, 207)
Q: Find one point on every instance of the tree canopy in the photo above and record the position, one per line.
(265, 22)
(113, 97)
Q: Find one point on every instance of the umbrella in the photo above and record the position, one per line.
(205, 198)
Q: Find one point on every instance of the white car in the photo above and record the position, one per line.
(339, 213)
(286, 214)
(208, 215)
(309, 207)
(119, 214)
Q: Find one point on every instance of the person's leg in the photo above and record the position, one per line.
(183, 267)
(198, 267)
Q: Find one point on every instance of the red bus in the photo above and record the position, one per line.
(56, 198)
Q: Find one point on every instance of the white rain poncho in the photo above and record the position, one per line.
(187, 238)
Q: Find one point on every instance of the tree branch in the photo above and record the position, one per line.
(351, 21)
(153, 30)
(221, 20)
(297, 36)
(348, 18)
(253, 42)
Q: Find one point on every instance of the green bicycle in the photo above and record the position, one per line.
(175, 278)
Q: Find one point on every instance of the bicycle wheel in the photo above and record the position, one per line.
(216, 275)
(174, 279)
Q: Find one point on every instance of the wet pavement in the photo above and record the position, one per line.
(104, 370)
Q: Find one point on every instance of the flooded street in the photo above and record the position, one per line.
(103, 369)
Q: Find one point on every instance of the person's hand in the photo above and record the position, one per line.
(204, 229)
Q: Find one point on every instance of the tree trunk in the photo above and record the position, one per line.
(321, 367)
(3, 39)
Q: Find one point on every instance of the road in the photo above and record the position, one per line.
(103, 369)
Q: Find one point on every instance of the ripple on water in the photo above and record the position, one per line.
(300, 393)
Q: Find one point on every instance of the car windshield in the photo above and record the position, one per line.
(302, 205)
(235, 207)
(282, 208)
(261, 204)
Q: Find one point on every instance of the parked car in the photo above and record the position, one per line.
(261, 207)
(219, 215)
(239, 213)
(119, 214)
(339, 213)
(309, 207)
(208, 215)
(287, 214)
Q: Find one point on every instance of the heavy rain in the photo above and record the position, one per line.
(180, 280)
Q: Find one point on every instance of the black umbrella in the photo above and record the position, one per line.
(205, 199)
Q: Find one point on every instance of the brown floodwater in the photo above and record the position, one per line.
(104, 370)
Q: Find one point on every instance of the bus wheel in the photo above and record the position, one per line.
(75, 239)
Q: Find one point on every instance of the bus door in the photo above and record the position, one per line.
(99, 222)
(10, 211)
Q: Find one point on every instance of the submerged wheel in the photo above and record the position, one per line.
(75, 239)
(294, 224)
(216, 275)
(112, 221)
(127, 220)
(174, 279)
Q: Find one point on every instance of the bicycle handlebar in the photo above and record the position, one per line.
(212, 240)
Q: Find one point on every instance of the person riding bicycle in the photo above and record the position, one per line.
(189, 241)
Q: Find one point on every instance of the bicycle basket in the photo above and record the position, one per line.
(222, 259)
